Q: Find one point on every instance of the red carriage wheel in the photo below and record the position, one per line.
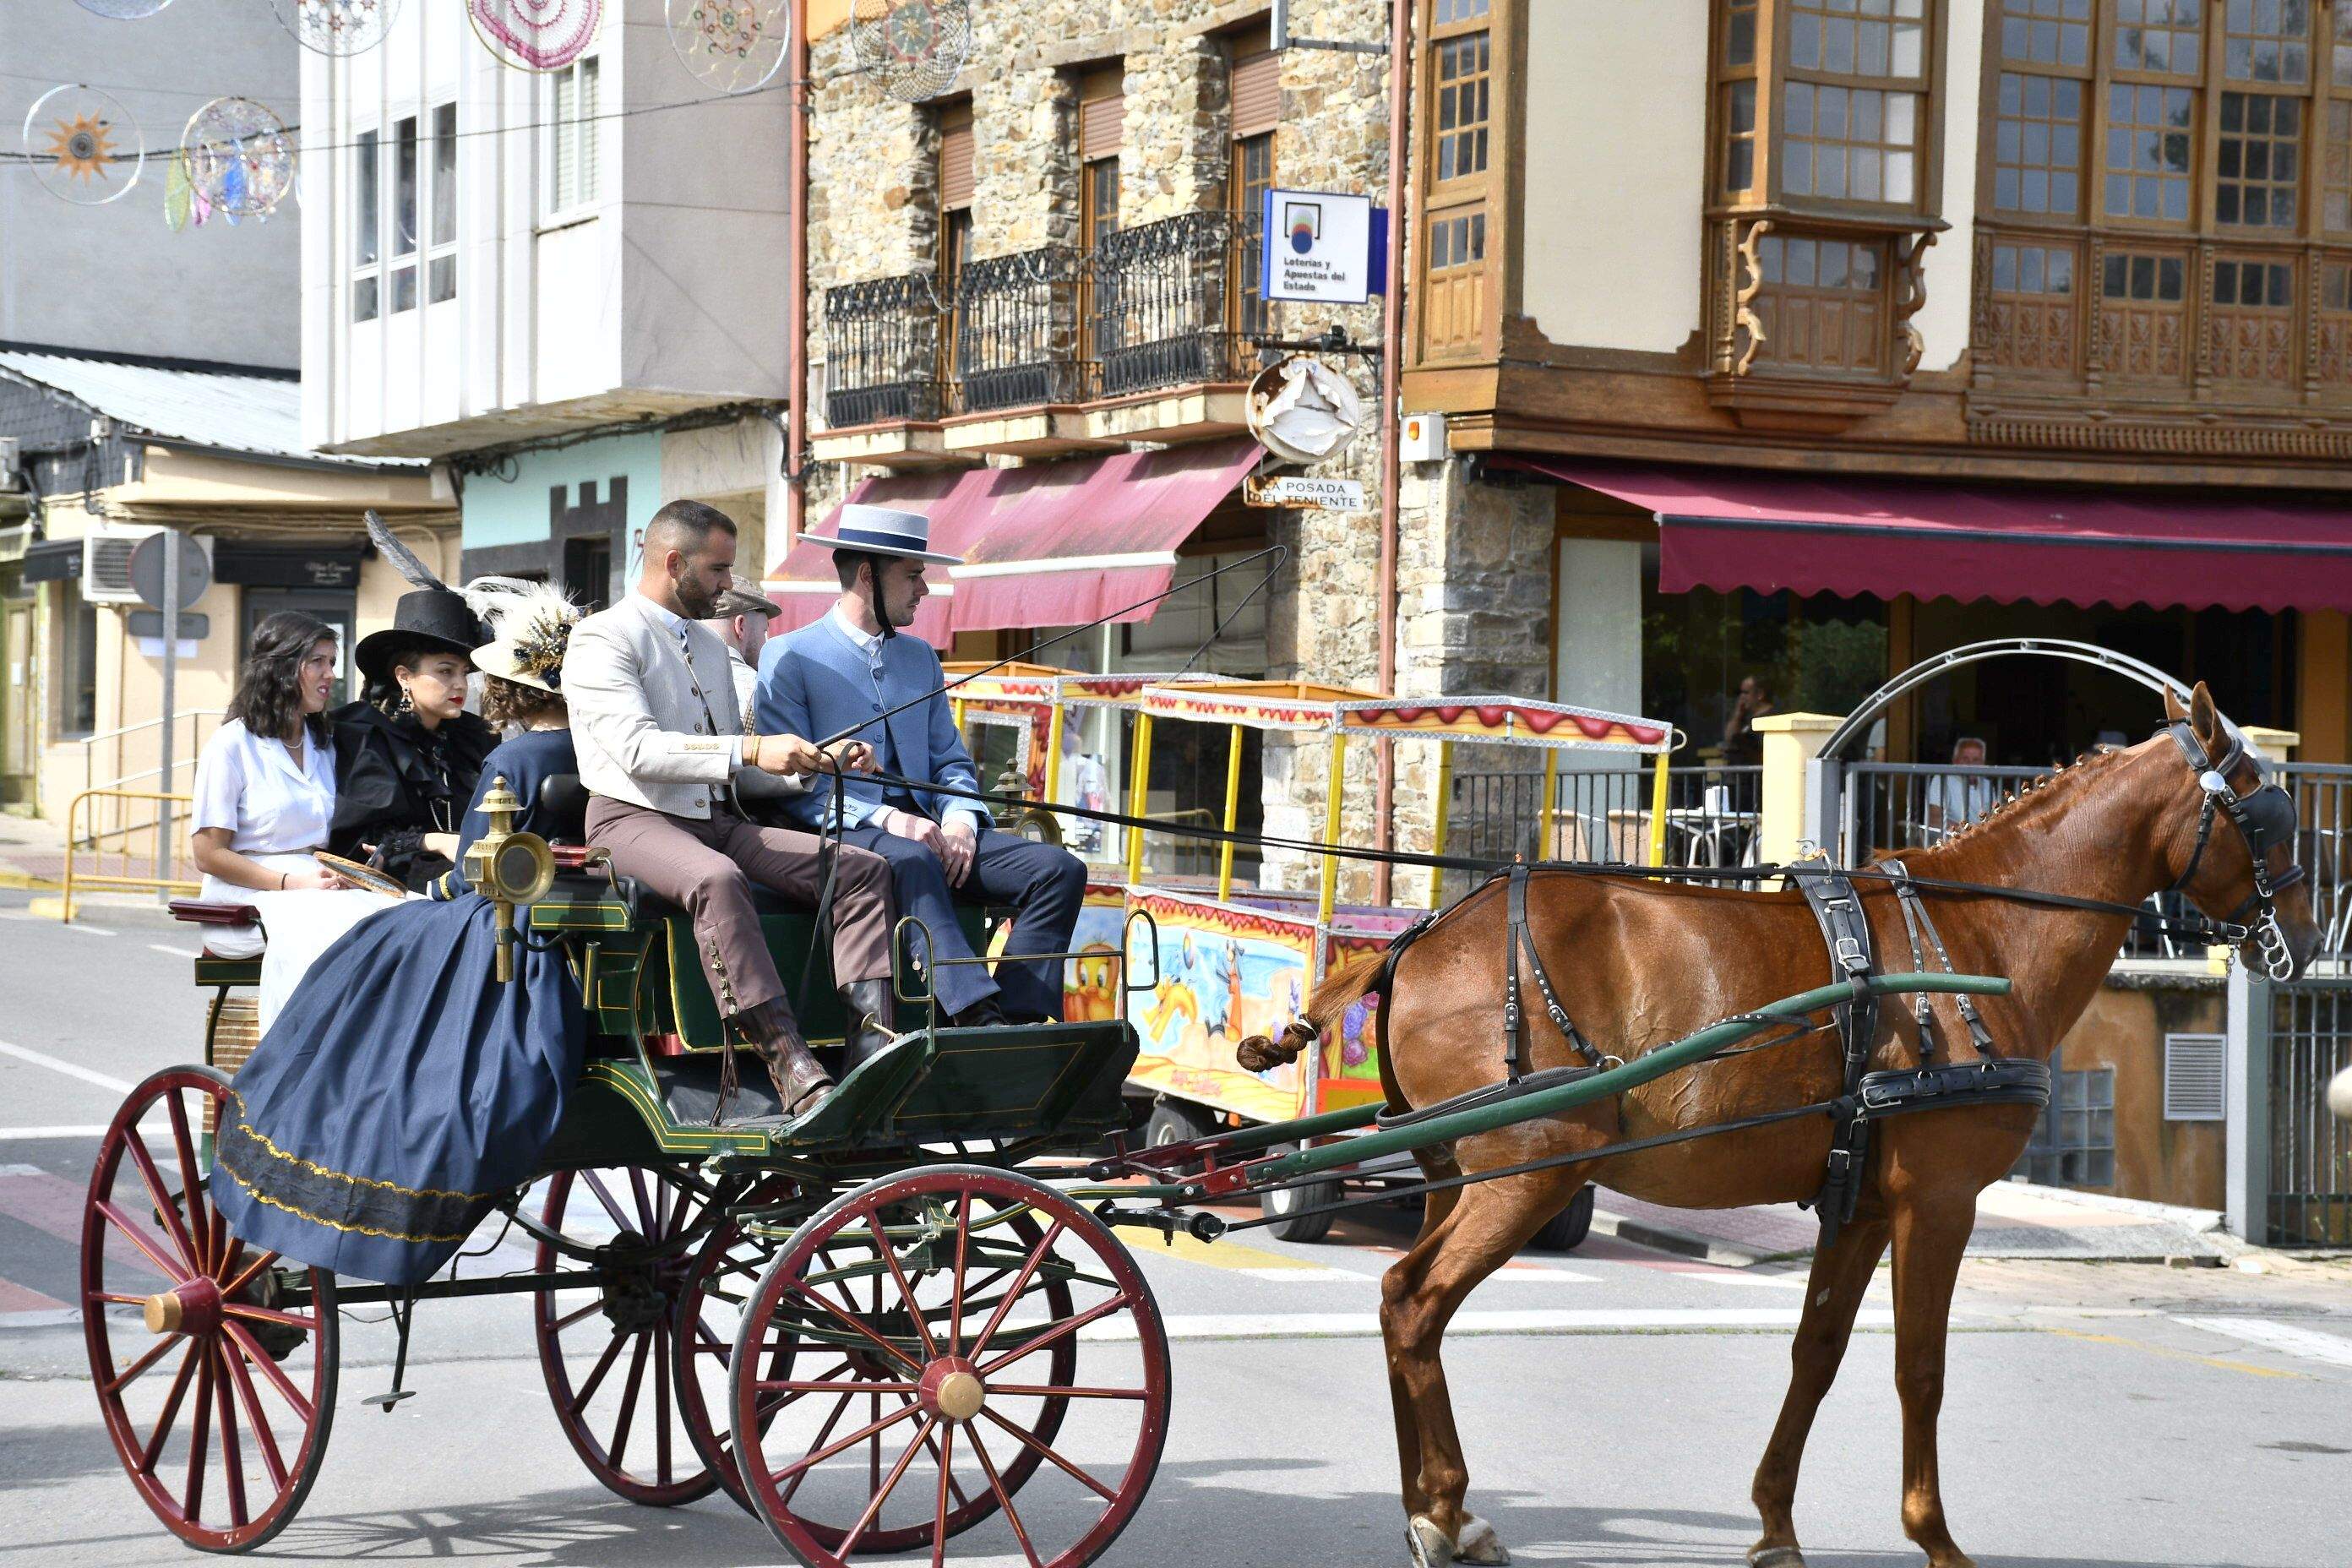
(929, 1346)
(607, 1353)
(214, 1371)
(718, 1291)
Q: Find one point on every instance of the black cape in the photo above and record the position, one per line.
(396, 781)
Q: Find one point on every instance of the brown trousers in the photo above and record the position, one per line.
(707, 868)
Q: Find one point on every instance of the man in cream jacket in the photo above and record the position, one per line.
(666, 759)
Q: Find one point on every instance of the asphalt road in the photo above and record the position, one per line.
(1612, 1400)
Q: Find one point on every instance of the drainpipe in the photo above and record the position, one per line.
(1392, 361)
(796, 293)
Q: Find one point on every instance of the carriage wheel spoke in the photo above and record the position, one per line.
(154, 1449)
(569, 1319)
(947, 1431)
(679, 1210)
(141, 1240)
(842, 1444)
(114, 1298)
(232, 1455)
(1048, 1391)
(1020, 1283)
(805, 1466)
(629, 1400)
(661, 1402)
(270, 1370)
(1066, 1327)
(649, 1214)
(268, 1315)
(596, 1374)
(1029, 1440)
(596, 1186)
(192, 1500)
(245, 1275)
(130, 1374)
(165, 1210)
(945, 1450)
(885, 1346)
(955, 1296)
(882, 1494)
(271, 1460)
(1005, 1499)
(200, 1220)
(906, 1291)
(817, 1385)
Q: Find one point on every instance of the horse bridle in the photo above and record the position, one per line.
(2265, 818)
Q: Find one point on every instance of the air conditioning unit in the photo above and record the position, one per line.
(106, 561)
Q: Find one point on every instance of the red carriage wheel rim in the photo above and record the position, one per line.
(942, 1413)
(250, 1437)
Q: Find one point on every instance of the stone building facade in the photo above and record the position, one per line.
(1474, 580)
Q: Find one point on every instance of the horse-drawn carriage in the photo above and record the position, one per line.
(905, 1320)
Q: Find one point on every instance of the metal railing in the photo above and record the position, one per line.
(154, 881)
(882, 351)
(2301, 1038)
(1166, 301)
(1016, 330)
(200, 721)
(2323, 814)
(1604, 814)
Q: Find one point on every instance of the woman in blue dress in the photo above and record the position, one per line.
(403, 1089)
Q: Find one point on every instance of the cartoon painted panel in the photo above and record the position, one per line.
(1225, 972)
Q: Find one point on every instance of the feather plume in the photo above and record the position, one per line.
(404, 560)
(492, 598)
(533, 619)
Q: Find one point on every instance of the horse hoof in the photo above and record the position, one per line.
(1431, 1547)
(1775, 1557)
(1480, 1544)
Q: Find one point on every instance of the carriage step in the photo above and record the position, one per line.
(385, 1401)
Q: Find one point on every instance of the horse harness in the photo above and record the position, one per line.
(2265, 820)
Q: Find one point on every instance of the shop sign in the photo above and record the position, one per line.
(1301, 490)
(1323, 247)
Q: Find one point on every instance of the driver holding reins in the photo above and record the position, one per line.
(850, 674)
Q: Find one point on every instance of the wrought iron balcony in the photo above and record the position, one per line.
(882, 351)
(1172, 303)
(1016, 330)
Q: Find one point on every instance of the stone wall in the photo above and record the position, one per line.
(1473, 571)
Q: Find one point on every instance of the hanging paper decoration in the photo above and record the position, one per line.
(241, 158)
(915, 47)
(124, 10)
(537, 34)
(83, 145)
(179, 203)
(337, 27)
(731, 46)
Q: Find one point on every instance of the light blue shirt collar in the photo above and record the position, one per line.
(866, 643)
(669, 620)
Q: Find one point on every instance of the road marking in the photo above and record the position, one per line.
(56, 924)
(53, 1318)
(2248, 1368)
(1367, 1325)
(174, 951)
(2311, 1344)
(1242, 1259)
(36, 1134)
(68, 1069)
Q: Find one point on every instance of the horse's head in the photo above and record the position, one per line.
(2229, 842)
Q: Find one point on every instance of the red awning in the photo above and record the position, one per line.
(1728, 528)
(1046, 544)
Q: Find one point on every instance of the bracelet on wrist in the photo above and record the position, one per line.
(281, 881)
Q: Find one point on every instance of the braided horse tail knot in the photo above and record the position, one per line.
(1338, 990)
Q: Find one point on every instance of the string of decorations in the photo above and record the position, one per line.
(337, 27)
(83, 145)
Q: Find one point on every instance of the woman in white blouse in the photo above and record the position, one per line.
(265, 797)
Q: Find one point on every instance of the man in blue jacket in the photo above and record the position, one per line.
(842, 675)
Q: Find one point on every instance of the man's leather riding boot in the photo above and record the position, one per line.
(801, 1084)
(867, 1006)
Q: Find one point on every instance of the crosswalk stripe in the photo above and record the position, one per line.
(53, 1064)
(2311, 1344)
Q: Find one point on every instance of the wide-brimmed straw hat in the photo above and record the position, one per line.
(530, 629)
(882, 530)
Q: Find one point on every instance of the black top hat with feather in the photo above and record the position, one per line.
(435, 618)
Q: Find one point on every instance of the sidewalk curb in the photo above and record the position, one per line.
(1684, 1243)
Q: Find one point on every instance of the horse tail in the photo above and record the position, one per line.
(1341, 988)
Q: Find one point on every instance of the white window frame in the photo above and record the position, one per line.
(371, 272)
(427, 250)
(396, 260)
(436, 250)
(572, 135)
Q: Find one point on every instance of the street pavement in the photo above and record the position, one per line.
(1612, 1400)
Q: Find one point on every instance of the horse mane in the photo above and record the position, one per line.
(2031, 795)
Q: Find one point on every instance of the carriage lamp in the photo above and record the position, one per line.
(1031, 823)
(507, 868)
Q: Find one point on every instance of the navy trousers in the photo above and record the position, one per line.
(1043, 885)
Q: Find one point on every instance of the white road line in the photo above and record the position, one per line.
(174, 951)
(1307, 1274)
(56, 924)
(2311, 1344)
(1367, 1325)
(32, 1135)
(68, 1069)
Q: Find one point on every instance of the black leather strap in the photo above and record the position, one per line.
(1918, 921)
(1846, 929)
(2005, 1080)
(1514, 1015)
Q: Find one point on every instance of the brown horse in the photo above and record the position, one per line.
(1638, 963)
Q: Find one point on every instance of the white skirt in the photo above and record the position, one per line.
(299, 926)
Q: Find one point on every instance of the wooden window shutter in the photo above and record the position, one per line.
(1256, 93)
(1102, 114)
(956, 179)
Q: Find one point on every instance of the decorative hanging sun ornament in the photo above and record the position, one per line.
(537, 34)
(83, 145)
(337, 27)
(915, 47)
(241, 158)
(124, 10)
(731, 46)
